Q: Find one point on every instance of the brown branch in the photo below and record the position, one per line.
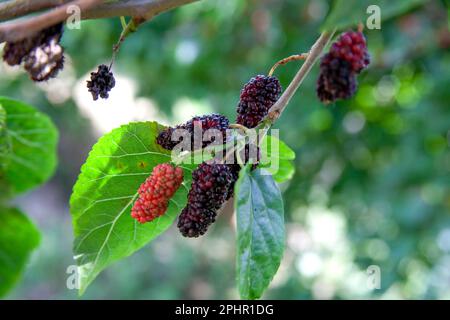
(316, 50)
(144, 9)
(16, 30)
(140, 10)
(17, 8)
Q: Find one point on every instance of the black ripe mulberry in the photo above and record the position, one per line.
(336, 80)
(155, 192)
(101, 82)
(41, 53)
(210, 187)
(257, 96)
(201, 130)
(347, 57)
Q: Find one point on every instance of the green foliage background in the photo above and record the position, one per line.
(372, 174)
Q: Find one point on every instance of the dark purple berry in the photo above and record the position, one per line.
(101, 82)
(194, 222)
(336, 80)
(257, 96)
(197, 130)
(209, 190)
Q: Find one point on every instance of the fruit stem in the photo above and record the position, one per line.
(316, 50)
(127, 29)
(239, 127)
(360, 27)
(294, 57)
(123, 22)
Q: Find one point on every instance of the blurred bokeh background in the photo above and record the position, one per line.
(372, 180)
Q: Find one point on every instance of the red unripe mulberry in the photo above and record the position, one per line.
(155, 192)
(351, 47)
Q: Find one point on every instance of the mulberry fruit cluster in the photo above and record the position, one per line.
(155, 192)
(347, 57)
(42, 54)
(101, 82)
(213, 182)
(257, 96)
(197, 130)
(210, 189)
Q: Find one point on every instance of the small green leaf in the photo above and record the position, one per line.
(277, 148)
(284, 172)
(105, 191)
(18, 238)
(347, 13)
(260, 231)
(276, 158)
(32, 158)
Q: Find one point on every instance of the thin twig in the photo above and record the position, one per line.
(129, 28)
(294, 57)
(316, 50)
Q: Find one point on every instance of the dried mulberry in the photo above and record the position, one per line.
(101, 82)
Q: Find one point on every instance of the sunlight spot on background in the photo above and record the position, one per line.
(326, 227)
(298, 239)
(59, 90)
(187, 51)
(323, 290)
(355, 281)
(354, 122)
(443, 240)
(317, 9)
(377, 249)
(120, 108)
(330, 172)
(318, 194)
(185, 108)
(309, 264)
(386, 89)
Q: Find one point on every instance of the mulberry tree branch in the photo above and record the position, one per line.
(16, 30)
(18, 8)
(316, 50)
(140, 10)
